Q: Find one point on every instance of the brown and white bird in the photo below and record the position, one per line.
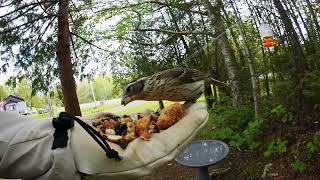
(179, 84)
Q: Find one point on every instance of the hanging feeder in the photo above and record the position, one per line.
(267, 36)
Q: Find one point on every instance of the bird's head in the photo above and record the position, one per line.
(133, 91)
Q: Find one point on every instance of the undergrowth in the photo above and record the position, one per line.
(235, 125)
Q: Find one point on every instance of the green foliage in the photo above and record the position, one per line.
(283, 92)
(236, 125)
(3, 92)
(23, 90)
(282, 114)
(277, 146)
(312, 87)
(299, 166)
(103, 88)
(314, 146)
(57, 97)
(37, 102)
(84, 92)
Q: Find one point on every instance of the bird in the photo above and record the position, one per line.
(177, 84)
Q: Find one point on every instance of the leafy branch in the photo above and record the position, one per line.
(26, 23)
(165, 31)
(88, 42)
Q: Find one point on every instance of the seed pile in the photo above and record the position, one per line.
(123, 130)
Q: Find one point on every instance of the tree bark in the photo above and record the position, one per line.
(241, 55)
(255, 89)
(314, 18)
(208, 95)
(229, 56)
(294, 18)
(68, 85)
(254, 23)
(297, 55)
(301, 17)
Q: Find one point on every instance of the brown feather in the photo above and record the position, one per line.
(183, 75)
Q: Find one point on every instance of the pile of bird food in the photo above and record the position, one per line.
(123, 130)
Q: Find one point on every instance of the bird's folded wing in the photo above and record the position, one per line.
(183, 75)
(140, 157)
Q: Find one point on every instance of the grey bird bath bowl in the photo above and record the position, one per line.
(201, 154)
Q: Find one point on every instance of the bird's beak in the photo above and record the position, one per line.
(125, 100)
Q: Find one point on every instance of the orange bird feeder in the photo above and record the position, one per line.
(267, 35)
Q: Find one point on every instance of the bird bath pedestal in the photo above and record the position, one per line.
(201, 154)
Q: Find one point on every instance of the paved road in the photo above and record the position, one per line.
(98, 103)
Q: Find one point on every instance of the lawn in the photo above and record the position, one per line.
(84, 111)
(94, 110)
(152, 105)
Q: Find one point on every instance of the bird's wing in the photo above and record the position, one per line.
(184, 75)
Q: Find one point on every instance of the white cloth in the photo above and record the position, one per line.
(25, 150)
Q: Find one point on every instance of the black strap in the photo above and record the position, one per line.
(60, 135)
(111, 153)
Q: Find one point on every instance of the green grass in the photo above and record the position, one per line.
(40, 116)
(152, 105)
(94, 110)
(84, 111)
(57, 110)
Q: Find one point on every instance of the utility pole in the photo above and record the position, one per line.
(92, 92)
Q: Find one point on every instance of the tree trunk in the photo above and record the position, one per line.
(229, 57)
(301, 17)
(241, 55)
(254, 23)
(208, 95)
(295, 19)
(68, 85)
(255, 89)
(266, 72)
(314, 18)
(297, 55)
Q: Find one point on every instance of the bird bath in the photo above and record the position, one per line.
(201, 154)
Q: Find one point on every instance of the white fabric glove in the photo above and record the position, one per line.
(25, 150)
(140, 157)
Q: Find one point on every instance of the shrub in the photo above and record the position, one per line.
(312, 87)
(282, 114)
(314, 146)
(238, 126)
(299, 166)
(277, 146)
(283, 92)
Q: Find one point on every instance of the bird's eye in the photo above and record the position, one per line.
(129, 89)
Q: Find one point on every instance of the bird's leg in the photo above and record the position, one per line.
(161, 106)
(187, 104)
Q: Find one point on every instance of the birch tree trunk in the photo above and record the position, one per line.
(255, 89)
(68, 85)
(237, 45)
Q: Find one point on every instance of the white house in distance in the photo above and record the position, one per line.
(14, 104)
